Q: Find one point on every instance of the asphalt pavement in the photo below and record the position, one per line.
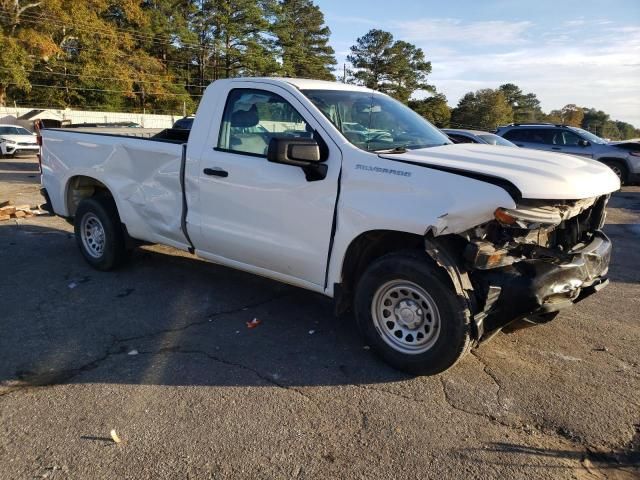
(160, 351)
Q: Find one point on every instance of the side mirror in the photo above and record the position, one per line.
(584, 143)
(298, 152)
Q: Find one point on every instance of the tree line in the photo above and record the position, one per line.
(152, 54)
(159, 56)
(487, 108)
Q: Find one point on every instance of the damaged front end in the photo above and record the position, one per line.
(533, 260)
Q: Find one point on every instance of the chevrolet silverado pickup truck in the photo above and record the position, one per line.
(344, 191)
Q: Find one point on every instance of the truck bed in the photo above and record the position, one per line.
(144, 175)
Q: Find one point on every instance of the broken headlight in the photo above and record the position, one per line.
(528, 219)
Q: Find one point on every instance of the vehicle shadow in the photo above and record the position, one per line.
(511, 454)
(166, 318)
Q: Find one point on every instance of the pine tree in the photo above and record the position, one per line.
(302, 40)
(370, 57)
(398, 68)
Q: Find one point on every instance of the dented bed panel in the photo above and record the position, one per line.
(142, 175)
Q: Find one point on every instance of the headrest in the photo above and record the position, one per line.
(245, 118)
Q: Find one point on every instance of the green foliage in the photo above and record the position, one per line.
(152, 55)
(14, 62)
(570, 114)
(525, 106)
(302, 40)
(434, 109)
(397, 67)
(485, 110)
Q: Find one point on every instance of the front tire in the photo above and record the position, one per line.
(409, 314)
(99, 233)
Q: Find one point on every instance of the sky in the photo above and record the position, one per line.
(565, 51)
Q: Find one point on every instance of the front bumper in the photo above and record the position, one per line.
(531, 287)
(14, 149)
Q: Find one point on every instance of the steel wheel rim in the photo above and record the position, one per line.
(406, 317)
(92, 234)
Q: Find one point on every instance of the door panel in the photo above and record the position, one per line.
(569, 142)
(260, 213)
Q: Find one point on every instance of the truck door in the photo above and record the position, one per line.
(255, 213)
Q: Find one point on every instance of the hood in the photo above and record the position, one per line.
(20, 138)
(537, 174)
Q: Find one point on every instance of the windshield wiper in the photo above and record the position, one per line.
(391, 150)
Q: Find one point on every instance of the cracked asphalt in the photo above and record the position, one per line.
(160, 352)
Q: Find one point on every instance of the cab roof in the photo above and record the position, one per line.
(309, 84)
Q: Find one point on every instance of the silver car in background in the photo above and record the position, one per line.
(622, 157)
(476, 136)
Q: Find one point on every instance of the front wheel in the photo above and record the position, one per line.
(408, 312)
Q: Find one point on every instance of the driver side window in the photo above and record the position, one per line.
(253, 117)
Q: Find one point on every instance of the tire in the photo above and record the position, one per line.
(408, 312)
(619, 169)
(99, 233)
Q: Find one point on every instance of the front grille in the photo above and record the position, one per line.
(27, 144)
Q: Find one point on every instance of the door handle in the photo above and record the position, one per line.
(556, 148)
(218, 172)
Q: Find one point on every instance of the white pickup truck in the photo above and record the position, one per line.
(344, 191)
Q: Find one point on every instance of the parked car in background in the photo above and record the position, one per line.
(458, 135)
(623, 159)
(184, 123)
(16, 140)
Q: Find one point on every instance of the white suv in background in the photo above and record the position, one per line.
(15, 140)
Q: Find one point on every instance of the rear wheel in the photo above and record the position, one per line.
(408, 312)
(619, 169)
(99, 233)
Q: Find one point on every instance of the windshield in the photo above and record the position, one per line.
(14, 131)
(492, 139)
(375, 122)
(589, 136)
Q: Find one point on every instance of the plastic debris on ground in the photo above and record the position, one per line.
(115, 437)
(254, 323)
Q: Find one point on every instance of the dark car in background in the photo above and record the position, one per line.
(184, 123)
(622, 158)
(458, 135)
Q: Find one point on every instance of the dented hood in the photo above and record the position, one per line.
(536, 174)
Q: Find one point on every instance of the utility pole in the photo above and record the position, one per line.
(184, 108)
(344, 73)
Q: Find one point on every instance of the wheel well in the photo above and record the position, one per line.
(619, 161)
(363, 250)
(81, 187)
(614, 160)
